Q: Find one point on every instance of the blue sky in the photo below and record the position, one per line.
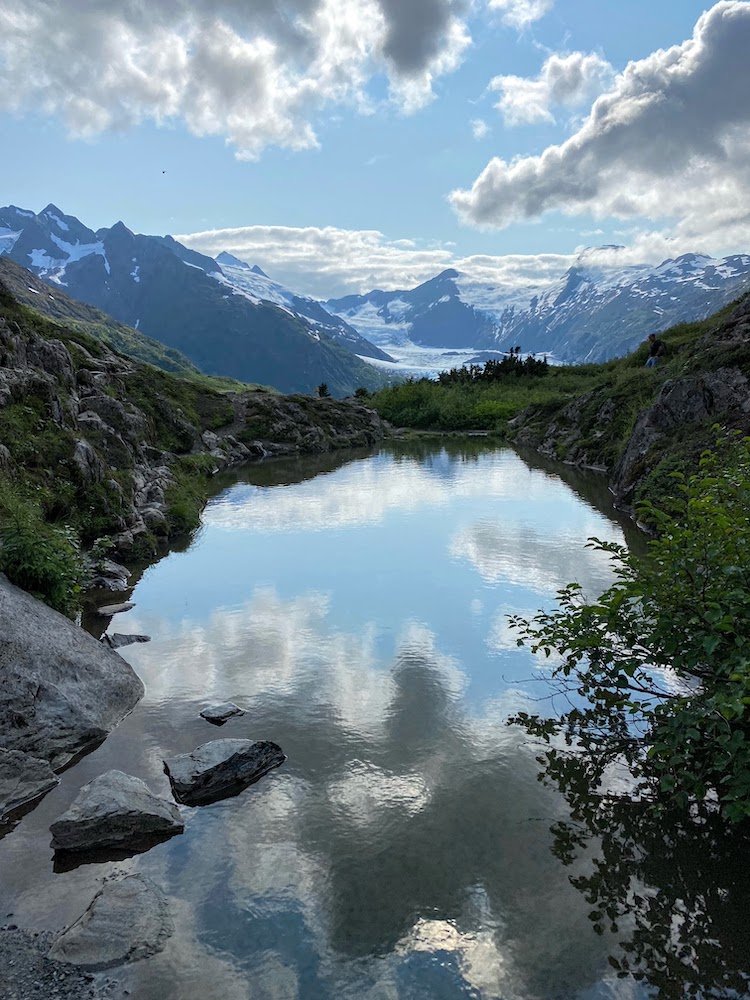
(97, 149)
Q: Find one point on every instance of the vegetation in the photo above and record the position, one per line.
(488, 397)
(42, 558)
(658, 669)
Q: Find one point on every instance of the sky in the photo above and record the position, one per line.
(350, 144)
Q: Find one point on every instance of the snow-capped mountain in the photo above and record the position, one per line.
(591, 314)
(256, 283)
(185, 300)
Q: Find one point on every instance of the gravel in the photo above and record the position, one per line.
(27, 974)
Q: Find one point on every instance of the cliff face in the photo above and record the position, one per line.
(641, 424)
(118, 448)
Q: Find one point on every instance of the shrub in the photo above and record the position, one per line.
(658, 668)
(42, 558)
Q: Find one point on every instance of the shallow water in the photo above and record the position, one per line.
(355, 606)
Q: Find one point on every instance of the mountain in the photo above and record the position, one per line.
(28, 290)
(184, 300)
(256, 283)
(592, 313)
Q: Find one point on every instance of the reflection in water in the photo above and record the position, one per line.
(403, 850)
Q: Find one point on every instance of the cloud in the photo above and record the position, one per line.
(565, 81)
(327, 261)
(521, 13)
(258, 74)
(670, 141)
(479, 128)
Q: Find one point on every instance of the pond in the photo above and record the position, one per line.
(356, 606)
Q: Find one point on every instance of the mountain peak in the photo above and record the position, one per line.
(225, 257)
(52, 210)
(120, 229)
(257, 270)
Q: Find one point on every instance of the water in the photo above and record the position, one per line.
(355, 606)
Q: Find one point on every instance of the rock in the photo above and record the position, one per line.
(219, 714)
(115, 609)
(114, 810)
(88, 463)
(109, 575)
(127, 920)
(61, 691)
(23, 780)
(220, 768)
(116, 640)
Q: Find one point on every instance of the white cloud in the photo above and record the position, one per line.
(669, 141)
(257, 73)
(565, 81)
(479, 128)
(327, 261)
(521, 13)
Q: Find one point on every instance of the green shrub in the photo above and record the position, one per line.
(658, 668)
(42, 558)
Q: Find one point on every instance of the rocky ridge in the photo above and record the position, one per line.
(122, 444)
(641, 424)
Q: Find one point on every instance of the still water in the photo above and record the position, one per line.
(355, 606)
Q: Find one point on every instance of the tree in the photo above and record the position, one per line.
(323, 392)
(657, 670)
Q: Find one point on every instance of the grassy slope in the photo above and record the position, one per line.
(427, 405)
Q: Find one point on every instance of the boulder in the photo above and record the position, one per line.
(23, 780)
(220, 768)
(61, 691)
(127, 920)
(109, 575)
(115, 810)
(219, 714)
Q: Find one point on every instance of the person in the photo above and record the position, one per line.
(656, 350)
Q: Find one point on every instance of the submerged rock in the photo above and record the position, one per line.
(116, 640)
(219, 714)
(127, 920)
(61, 691)
(220, 768)
(23, 780)
(115, 609)
(114, 810)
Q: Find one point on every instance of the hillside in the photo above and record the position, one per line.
(120, 453)
(635, 424)
(592, 313)
(183, 300)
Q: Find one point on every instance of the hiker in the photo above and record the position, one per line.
(656, 350)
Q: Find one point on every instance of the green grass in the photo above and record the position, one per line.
(624, 386)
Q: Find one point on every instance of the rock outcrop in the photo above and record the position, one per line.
(220, 768)
(115, 810)
(61, 691)
(23, 780)
(127, 920)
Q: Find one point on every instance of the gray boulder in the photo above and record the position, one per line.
(115, 810)
(220, 768)
(127, 920)
(219, 714)
(61, 691)
(23, 779)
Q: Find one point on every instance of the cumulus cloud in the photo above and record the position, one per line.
(565, 81)
(328, 261)
(257, 73)
(521, 13)
(669, 140)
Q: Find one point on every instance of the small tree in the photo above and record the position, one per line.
(323, 390)
(657, 671)
(361, 393)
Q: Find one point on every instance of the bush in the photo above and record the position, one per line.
(658, 669)
(42, 558)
